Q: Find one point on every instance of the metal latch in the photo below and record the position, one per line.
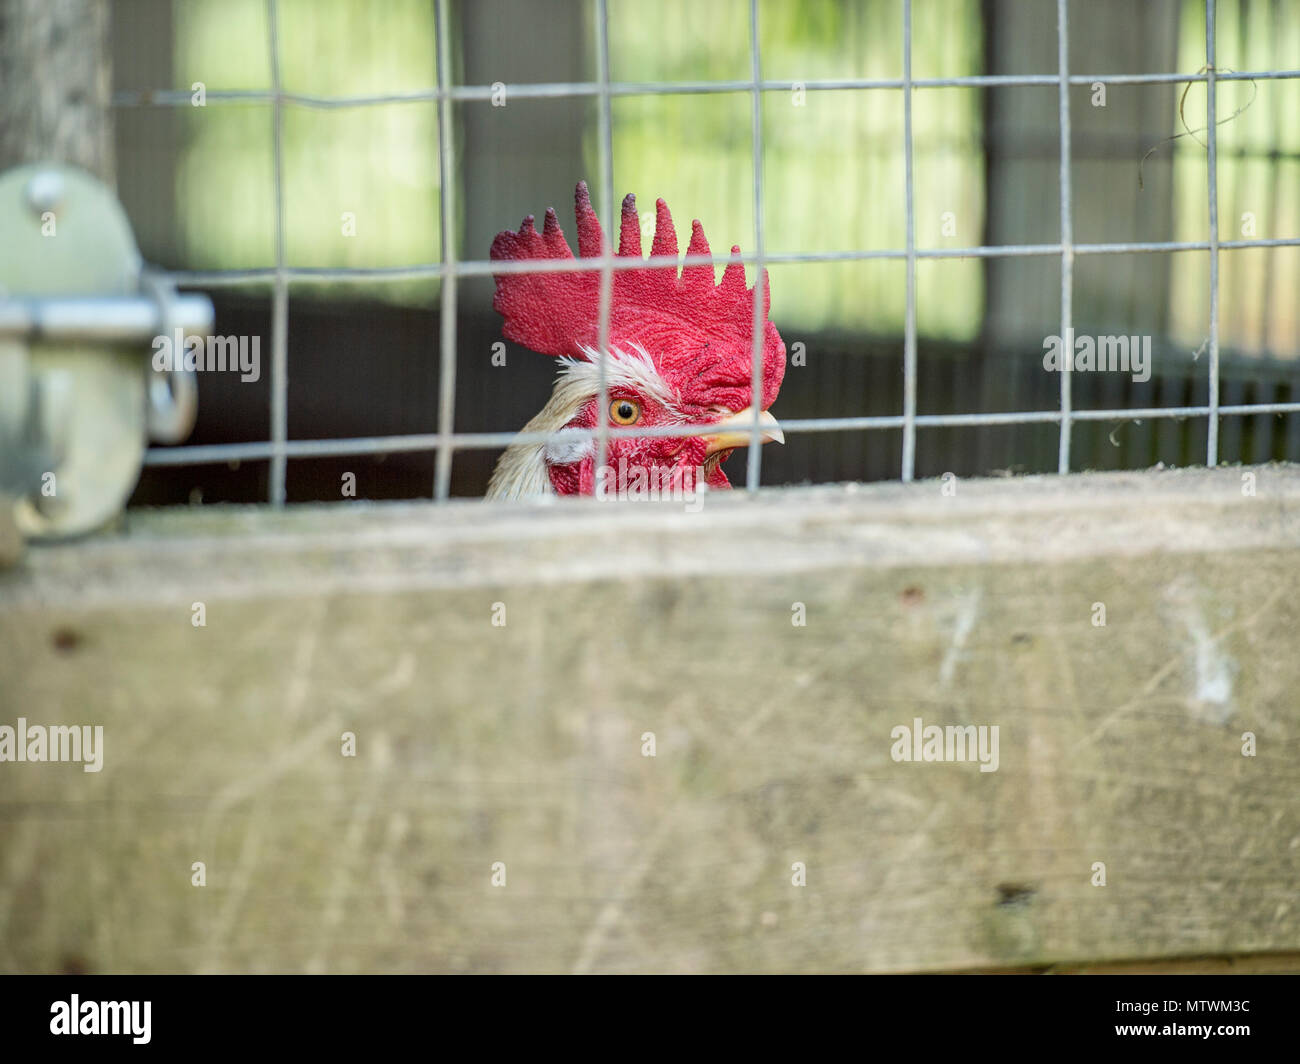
(79, 313)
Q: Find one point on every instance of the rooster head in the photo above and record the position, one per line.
(679, 352)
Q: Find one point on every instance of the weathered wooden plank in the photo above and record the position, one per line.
(1244, 964)
(522, 744)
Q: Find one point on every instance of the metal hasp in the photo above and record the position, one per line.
(79, 395)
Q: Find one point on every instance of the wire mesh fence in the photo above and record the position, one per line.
(446, 441)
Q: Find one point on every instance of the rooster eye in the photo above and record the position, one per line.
(625, 411)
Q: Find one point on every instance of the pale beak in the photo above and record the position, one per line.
(739, 430)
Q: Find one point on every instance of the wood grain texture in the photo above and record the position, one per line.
(522, 744)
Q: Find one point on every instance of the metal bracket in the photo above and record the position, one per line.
(78, 317)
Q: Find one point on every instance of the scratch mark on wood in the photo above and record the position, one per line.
(289, 758)
(1214, 669)
(303, 654)
(876, 911)
(20, 859)
(1169, 666)
(333, 915)
(401, 676)
(609, 915)
(967, 611)
(240, 877)
(399, 827)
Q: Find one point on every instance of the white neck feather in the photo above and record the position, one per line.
(522, 472)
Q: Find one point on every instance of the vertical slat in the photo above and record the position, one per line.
(909, 319)
(447, 312)
(1292, 451)
(605, 201)
(1272, 278)
(1211, 137)
(1231, 437)
(1067, 230)
(280, 286)
(1169, 431)
(1261, 425)
(1142, 434)
(755, 457)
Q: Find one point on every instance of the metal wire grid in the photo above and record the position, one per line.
(445, 442)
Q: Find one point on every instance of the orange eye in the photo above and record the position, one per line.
(625, 412)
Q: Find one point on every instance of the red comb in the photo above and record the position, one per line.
(696, 331)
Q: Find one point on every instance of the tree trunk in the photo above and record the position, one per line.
(55, 84)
